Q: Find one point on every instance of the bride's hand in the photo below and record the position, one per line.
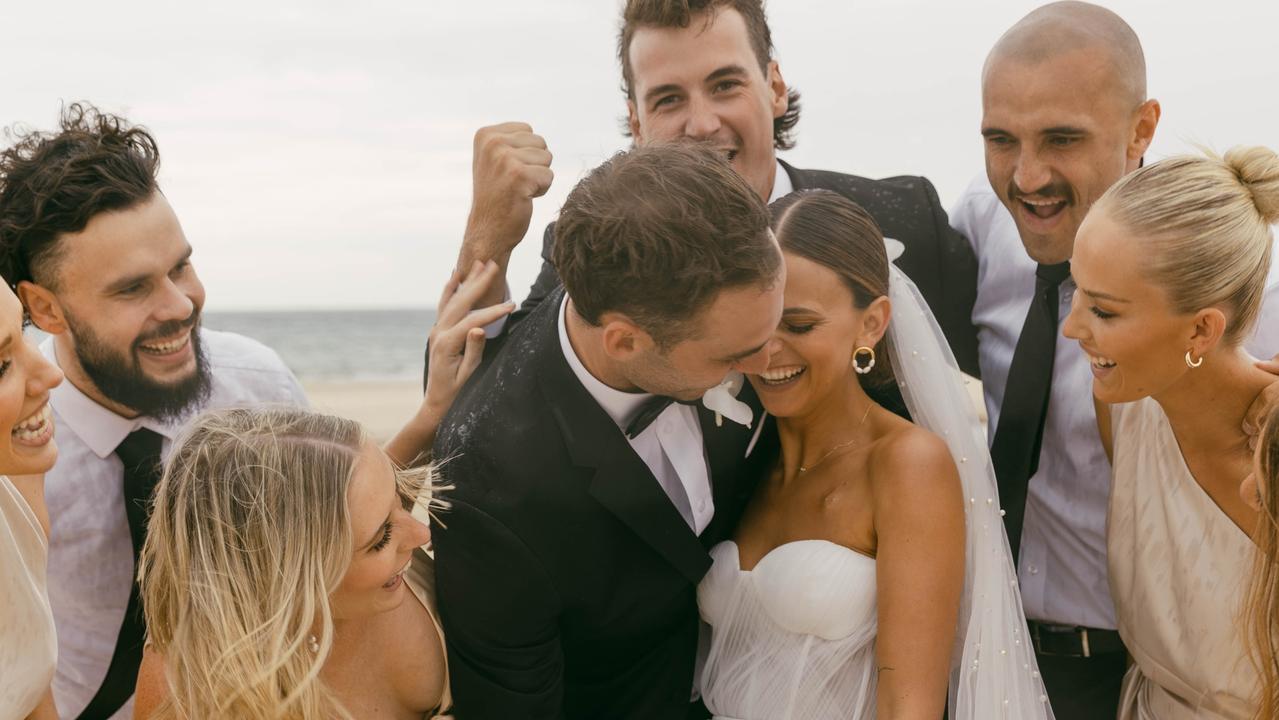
(457, 340)
(456, 347)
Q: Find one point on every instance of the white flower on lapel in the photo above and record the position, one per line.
(722, 399)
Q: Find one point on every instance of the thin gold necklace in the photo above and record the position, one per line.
(840, 446)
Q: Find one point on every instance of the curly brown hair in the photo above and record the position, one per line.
(54, 183)
(656, 233)
(679, 14)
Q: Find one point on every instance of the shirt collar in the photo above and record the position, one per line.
(620, 406)
(782, 186)
(101, 429)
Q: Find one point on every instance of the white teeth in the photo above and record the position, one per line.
(1101, 362)
(167, 347)
(781, 374)
(35, 426)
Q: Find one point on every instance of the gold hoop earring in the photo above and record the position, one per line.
(870, 363)
(1192, 364)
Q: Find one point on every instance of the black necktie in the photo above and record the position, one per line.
(1015, 450)
(140, 454)
(649, 411)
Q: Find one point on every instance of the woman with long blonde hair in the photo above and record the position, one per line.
(1261, 490)
(284, 575)
(1171, 265)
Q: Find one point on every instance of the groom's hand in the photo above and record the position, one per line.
(1265, 402)
(510, 167)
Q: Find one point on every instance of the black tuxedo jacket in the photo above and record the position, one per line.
(937, 258)
(566, 578)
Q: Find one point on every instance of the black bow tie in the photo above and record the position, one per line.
(649, 411)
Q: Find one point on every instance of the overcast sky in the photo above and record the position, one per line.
(318, 153)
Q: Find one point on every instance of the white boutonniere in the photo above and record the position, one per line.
(722, 399)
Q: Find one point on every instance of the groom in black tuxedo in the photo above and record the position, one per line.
(585, 499)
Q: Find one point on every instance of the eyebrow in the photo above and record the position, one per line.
(1103, 296)
(1055, 130)
(799, 311)
(381, 530)
(141, 277)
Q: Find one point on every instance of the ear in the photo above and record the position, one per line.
(777, 86)
(623, 339)
(43, 307)
(875, 322)
(1145, 121)
(1206, 334)
(632, 121)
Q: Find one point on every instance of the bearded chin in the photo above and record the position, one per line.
(120, 378)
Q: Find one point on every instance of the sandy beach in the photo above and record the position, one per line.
(382, 406)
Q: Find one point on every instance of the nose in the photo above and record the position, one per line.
(1075, 326)
(758, 363)
(44, 375)
(419, 533)
(174, 303)
(702, 122)
(1031, 174)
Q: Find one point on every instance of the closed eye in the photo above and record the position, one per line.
(385, 539)
(1101, 313)
(799, 329)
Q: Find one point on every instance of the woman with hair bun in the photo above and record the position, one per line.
(1171, 264)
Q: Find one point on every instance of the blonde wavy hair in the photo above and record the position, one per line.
(1205, 221)
(249, 536)
(1261, 615)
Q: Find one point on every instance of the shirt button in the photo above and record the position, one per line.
(1034, 569)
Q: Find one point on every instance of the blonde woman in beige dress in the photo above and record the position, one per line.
(28, 645)
(284, 574)
(1171, 264)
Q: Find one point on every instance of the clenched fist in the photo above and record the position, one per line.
(511, 166)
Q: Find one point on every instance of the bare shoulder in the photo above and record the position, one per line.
(912, 467)
(153, 686)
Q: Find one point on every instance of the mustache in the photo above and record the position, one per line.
(169, 327)
(1050, 190)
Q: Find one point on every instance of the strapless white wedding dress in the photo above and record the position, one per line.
(794, 637)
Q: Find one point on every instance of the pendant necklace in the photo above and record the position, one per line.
(822, 459)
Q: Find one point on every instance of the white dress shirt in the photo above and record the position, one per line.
(671, 447)
(90, 550)
(1062, 567)
(782, 185)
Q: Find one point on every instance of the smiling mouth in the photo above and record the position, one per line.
(35, 429)
(1043, 209)
(397, 577)
(1101, 363)
(783, 375)
(166, 347)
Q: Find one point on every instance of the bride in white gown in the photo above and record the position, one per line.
(870, 571)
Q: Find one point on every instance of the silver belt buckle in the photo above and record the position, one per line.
(1083, 638)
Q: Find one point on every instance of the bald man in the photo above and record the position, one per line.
(1064, 116)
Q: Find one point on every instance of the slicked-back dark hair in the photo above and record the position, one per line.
(656, 233)
(54, 183)
(838, 234)
(679, 14)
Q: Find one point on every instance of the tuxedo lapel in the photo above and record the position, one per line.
(619, 480)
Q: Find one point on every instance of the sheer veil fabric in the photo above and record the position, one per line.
(993, 670)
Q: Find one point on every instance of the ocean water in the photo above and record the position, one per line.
(338, 345)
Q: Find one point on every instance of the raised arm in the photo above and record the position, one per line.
(919, 523)
(500, 613)
(510, 166)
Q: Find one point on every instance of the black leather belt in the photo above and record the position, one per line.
(1065, 641)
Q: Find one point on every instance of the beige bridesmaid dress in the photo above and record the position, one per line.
(1178, 571)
